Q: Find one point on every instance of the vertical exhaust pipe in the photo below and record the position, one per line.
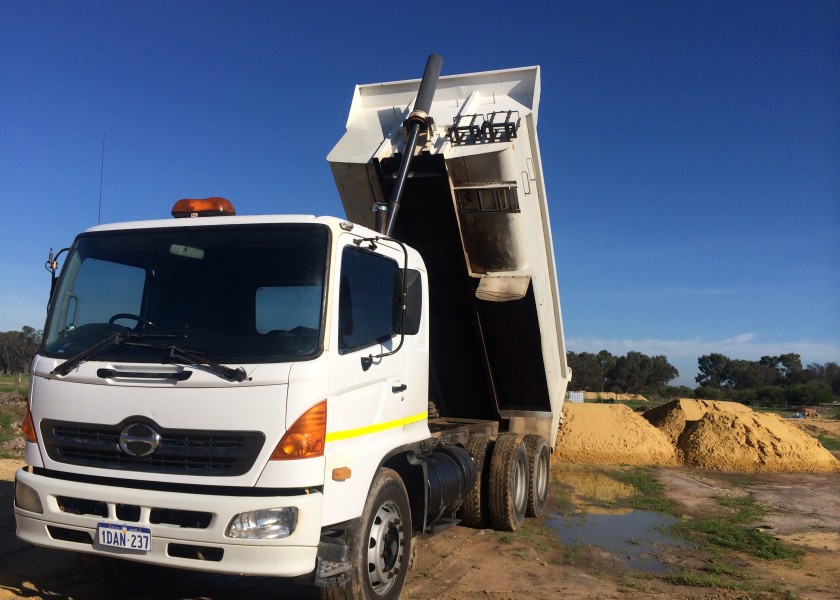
(417, 121)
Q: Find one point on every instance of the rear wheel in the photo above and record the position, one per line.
(475, 511)
(380, 549)
(539, 463)
(508, 485)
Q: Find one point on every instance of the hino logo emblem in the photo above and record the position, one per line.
(139, 440)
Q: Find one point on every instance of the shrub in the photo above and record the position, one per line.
(811, 393)
(708, 393)
(770, 395)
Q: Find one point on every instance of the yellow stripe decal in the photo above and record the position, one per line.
(335, 436)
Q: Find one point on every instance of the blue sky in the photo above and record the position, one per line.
(691, 149)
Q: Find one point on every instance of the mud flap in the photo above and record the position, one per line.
(332, 565)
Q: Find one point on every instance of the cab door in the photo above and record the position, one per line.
(367, 407)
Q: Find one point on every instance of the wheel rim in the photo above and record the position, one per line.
(386, 543)
(519, 475)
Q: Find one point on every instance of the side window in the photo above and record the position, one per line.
(366, 299)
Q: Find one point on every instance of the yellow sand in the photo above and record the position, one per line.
(724, 436)
(752, 442)
(610, 434)
(671, 418)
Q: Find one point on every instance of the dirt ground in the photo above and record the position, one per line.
(464, 563)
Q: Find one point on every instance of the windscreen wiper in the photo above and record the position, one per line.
(195, 359)
(200, 360)
(117, 339)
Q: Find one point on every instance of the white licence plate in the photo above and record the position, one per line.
(127, 537)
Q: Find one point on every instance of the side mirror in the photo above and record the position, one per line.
(409, 309)
(52, 266)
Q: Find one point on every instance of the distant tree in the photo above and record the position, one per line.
(661, 373)
(17, 348)
(8, 339)
(829, 373)
(749, 374)
(715, 371)
(586, 372)
(607, 362)
(788, 368)
(631, 372)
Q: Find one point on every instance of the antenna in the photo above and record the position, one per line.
(101, 177)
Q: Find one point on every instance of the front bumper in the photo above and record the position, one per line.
(188, 529)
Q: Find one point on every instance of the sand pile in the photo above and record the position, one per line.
(611, 434)
(724, 436)
(752, 442)
(671, 418)
(595, 396)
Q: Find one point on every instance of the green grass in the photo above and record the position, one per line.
(647, 491)
(727, 533)
(740, 482)
(562, 495)
(733, 532)
(11, 416)
(533, 534)
(746, 506)
(828, 442)
(740, 581)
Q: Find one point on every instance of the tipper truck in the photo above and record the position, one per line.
(299, 396)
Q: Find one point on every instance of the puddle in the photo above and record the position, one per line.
(633, 536)
(592, 486)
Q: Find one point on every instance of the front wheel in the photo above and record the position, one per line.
(380, 550)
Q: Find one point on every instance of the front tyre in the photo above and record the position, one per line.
(380, 550)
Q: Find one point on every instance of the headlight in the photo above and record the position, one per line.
(27, 499)
(265, 524)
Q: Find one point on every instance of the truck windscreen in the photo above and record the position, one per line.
(236, 293)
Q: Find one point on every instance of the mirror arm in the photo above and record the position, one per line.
(367, 361)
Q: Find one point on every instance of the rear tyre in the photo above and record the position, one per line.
(508, 485)
(539, 463)
(475, 511)
(380, 549)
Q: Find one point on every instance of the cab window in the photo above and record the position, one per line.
(366, 299)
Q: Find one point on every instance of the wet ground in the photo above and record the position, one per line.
(585, 547)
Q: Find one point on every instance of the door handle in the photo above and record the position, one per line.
(399, 388)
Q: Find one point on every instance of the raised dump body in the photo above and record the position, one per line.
(474, 206)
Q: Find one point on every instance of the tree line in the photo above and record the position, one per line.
(769, 381)
(632, 373)
(17, 348)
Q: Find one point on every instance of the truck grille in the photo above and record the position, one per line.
(216, 453)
